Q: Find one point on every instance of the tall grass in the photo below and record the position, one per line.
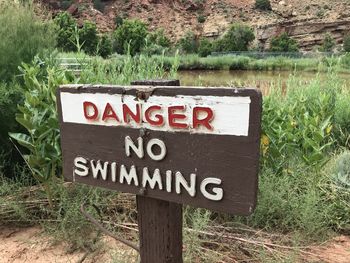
(229, 62)
(123, 70)
(23, 35)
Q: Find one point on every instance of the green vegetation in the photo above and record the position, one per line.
(66, 26)
(283, 43)
(328, 44)
(346, 44)
(188, 43)
(263, 4)
(130, 37)
(88, 37)
(237, 62)
(237, 38)
(24, 36)
(305, 162)
(205, 47)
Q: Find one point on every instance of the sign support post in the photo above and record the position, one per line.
(160, 222)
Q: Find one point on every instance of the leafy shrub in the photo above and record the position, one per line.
(188, 43)
(131, 35)
(237, 38)
(346, 44)
(263, 4)
(38, 115)
(201, 19)
(293, 128)
(88, 37)
(118, 21)
(159, 38)
(283, 43)
(66, 27)
(205, 47)
(10, 96)
(328, 44)
(105, 46)
(23, 35)
(153, 49)
(241, 63)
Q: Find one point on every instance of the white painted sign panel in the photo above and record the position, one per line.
(219, 115)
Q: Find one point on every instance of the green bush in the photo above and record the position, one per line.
(283, 43)
(23, 35)
(159, 38)
(38, 115)
(298, 123)
(263, 4)
(105, 46)
(188, 43)
(346, 44)
(66, 26)
(237, 38)
(205, 47)
(131, 35)
(118, 21)
(88, 37)
(10, 96)
(328, 44)
(201, 18)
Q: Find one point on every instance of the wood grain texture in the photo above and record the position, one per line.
(233, 159)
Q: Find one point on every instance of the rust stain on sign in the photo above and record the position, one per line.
(190, 145)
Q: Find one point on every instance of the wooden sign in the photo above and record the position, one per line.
(190, 145)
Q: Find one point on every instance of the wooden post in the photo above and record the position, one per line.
(160, 222)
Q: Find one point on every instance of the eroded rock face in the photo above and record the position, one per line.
(308, 34)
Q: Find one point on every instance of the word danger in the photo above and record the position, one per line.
(155, 115)
(168, 180)
(196, 114)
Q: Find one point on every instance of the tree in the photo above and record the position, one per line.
(205, 47)
(263, 4)
(66, 25)
(346, 44)
(88, 37)
(283, 43)
(159, 38)
(131, 35)
(328, 44)
(188, 43)
(104, 46)
(237, 38)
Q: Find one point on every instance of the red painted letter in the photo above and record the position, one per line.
(86, 106)
(159, 118)
(204, 121)
(172, 117)
(128, 113)
(109, 113)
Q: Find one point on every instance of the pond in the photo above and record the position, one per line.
(257, 79)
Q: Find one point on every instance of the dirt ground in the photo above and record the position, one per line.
(29, 244)
(18, 245)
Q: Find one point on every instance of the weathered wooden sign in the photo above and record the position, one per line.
(189, 145)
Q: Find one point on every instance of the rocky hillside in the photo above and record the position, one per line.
(306, 21)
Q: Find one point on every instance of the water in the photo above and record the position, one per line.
(256, 79)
